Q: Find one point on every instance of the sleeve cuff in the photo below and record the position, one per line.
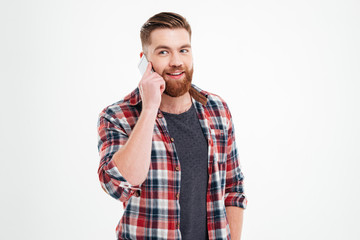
(113, 172)
(235, 199)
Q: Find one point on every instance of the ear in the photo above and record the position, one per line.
(141, 54)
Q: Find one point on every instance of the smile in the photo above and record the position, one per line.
(175, 74)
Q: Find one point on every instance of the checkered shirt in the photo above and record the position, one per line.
(152, 209)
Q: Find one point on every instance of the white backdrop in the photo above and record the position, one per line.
(289, 71)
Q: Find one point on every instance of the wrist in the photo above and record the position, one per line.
(149, 111)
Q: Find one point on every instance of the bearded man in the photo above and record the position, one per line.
(168, 151)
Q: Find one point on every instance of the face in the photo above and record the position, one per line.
(171, 56)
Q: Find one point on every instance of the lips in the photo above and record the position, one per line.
(175, 75)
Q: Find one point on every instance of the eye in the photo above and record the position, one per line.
(184, 51)
(163, 52)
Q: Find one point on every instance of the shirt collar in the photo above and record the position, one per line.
(196, 93)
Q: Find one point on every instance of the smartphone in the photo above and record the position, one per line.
(143, 65)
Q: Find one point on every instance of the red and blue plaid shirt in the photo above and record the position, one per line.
(152, 209)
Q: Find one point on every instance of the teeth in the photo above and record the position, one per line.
(174, 74)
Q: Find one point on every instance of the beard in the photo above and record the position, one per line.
(177, 87)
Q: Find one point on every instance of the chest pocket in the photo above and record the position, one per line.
(219, 139)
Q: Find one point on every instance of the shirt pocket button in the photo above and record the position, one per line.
(137, 193)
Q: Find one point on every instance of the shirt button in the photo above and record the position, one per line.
(137, 193)
(177, 168)
(159, 115)
(172, 139)
(178, 225)
(177, 196)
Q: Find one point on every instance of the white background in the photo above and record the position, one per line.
(289, 71)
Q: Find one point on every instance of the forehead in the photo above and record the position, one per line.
(169, 37)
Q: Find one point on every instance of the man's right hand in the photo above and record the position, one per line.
(134, 162)
(151, 87)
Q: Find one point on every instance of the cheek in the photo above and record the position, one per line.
(159, 69)
(159, 66)
(189, 66)
(189, 62)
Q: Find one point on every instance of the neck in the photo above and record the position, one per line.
(175, 105)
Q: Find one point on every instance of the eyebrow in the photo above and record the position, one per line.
(166, 47)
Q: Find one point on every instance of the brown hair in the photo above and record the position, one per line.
(162, 20)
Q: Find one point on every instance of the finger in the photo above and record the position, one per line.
(140, 89)
(162, 87)
(148, 68)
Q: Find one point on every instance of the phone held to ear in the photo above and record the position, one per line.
(143, 65)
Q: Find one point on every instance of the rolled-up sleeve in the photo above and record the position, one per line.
(234, 190)
(111, 137)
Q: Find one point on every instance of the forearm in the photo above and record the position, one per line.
(235, 219)
(133, 160)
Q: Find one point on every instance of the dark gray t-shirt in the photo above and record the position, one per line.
(192, 150)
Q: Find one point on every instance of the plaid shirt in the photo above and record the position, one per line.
(152, 209)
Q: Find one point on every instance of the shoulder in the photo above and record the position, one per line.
(217, 110)
(122, 111)
(215, 103)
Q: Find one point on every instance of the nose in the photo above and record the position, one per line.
(175, 60)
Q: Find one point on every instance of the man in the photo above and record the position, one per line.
(168, 149)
